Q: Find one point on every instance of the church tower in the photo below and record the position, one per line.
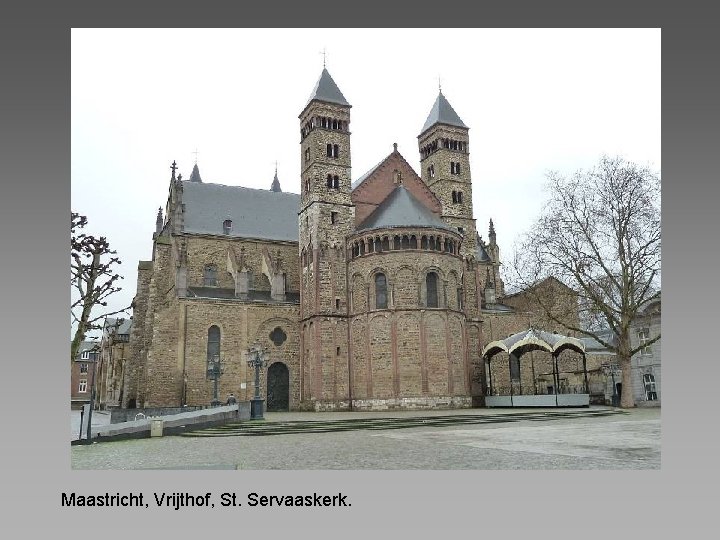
(445, 168)
(326, 218)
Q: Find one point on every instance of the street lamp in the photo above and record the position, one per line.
(214, 371)
(612, 369)
(256, 359)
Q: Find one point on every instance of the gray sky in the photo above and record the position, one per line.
(535, 100)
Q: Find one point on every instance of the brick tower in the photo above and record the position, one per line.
(445, 168)
(327, 216)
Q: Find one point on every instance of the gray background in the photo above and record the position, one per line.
(34, 207)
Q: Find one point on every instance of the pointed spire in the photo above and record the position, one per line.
(326, 90)
(492, 232)
(195, 174)
(174, 168)
(276, 183)
(159, 221)
(442, 113)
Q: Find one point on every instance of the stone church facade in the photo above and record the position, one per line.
(372, 294)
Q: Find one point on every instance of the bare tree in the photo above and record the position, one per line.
(599, 234)
(92, 278)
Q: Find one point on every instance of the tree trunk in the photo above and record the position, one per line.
(627, 399)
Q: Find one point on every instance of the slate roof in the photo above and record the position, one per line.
(442, 113)
(195, 174)
(124, 327)
(327, 90)
(255, 213)
(402, 209)
(482, 254)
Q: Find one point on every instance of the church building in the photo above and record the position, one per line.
(377, 293)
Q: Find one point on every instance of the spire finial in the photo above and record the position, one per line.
(439, 85)
(324, 57)
(196, 153)
(394, 147)
(276, 183)
(174, 168)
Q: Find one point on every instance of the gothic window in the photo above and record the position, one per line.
(650, 389)
(380, 291)
(213, 345)
(227, 226)
(431, 280)
(277, 336)
(210, 275)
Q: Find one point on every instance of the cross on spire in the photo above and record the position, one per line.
(196, 153)
(174, 168)
(324, 56)
(439, 85)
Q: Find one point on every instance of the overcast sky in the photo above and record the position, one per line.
(535, 100)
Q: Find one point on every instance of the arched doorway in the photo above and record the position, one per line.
(278, 387)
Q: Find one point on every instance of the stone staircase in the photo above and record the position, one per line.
(263, 428)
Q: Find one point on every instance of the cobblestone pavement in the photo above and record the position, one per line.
(623, 441)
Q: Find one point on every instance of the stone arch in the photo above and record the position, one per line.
(422, 286)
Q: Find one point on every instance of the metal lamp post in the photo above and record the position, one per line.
(612, 369)
(214, 371)
(256, 359)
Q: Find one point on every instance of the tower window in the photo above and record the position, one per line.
(333, 217)
(454, 197)
(380, 291)
(227, 226)
(329, 181)
(336, 182)
(307, 155)
(336, 151)
(431, 171)
(329, 150)
(459, 197)
(213, 345)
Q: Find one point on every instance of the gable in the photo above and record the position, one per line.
(376, 185)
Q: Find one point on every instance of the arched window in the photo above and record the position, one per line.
(432, 292)
(378, 245)
(210, 275)
(371, 246)
(380, 291)
(329, 181)
(385, 243)
(213, 345)
(423, 242)
(432, 243)
(336, 151)
(459, 196)
(329, 149)
(396, 242)
(454, 197)
(336, 182)
(413, 242)
(405, 242)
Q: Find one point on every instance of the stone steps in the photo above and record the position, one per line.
(264, 428)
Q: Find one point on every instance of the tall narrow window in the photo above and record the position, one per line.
(650, 390)
(307, 155)
(329, 150)
(210, 275)
(514, 368)
(644, 337)
(213, 345)
(227, 226)
(336, 151)
(380, 291)
(459, 197)
(82, 387)
(336, 182)
(454, 197)
(329, 181)
(432, 292)
(334, 218)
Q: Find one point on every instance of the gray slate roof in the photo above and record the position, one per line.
(327, 90)
(195, 174)
(482, 254)
(402, 209)
(255, 213)
(442, 113)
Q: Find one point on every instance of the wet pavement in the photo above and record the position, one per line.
(630, 440)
